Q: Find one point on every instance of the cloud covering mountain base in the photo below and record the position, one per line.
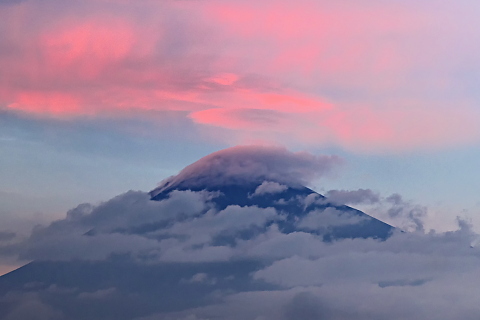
(278, 251)
(272, 276)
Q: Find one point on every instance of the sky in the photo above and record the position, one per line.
(101, 97)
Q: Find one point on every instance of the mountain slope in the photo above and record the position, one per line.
(296, 203)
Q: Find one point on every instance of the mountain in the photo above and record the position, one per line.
(199, 235)
(295, 203)
(251, 176)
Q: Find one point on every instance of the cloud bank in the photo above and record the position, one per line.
(295, 275)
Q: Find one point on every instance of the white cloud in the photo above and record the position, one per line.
(269, 187)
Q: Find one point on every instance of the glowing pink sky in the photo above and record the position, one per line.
(372, 76)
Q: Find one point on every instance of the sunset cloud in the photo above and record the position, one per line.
(366, 77)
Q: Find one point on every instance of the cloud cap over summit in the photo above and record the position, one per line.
(251, 164)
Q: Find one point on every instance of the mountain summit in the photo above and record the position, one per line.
(274, 178)
(242, 165)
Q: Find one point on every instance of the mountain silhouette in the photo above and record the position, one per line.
(239, 196)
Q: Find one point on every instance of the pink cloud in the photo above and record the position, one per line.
(369, 77)
(224, 79)
(47, 102)
(87, 48)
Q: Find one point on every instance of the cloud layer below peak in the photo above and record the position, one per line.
(235, 264)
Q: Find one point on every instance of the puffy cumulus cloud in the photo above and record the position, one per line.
(134, 209)
(316, 72)
(188, 226)
(115, 226)
(269, 187)
(214, 236)
(247, 164)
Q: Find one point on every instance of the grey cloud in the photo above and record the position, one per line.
(362, 267)
(330, 217)
(233, 218)
(405, 258)
(202, 231)
(183, 227)
(347, 279)
(276, 245)
(392, 209)
(119, 225)
(395, 198)
(99, 247)
(345, 301)
(408, 216)
(134, 208)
